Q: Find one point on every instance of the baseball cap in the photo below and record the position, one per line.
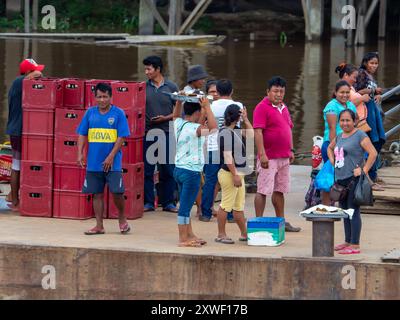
(29, 65)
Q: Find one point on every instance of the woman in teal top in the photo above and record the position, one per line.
(340, 102)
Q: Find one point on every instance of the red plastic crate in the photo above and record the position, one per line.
(90, 99)
(67, 121)
(133, 204)
(38, 121)
(128, 95)
(136, 122)
(68, 177)
(72, 205)
(37, 174)
(133, 175)
(132, 151)
(45, 93)
(35, 202)
(37, 148)
(65, 149)
(74, 93)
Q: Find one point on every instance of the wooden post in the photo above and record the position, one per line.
(350, 38)
(336, 16)
(314, 18)
(152, 7)
(146, 19)
(361, 25)
(382, 19)
(175, 16)
(27, 16)
(35, 14)
(194, 16)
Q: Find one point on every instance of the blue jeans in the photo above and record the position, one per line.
(167, 182)
(210, 171)
(352, 228)
(188, 185)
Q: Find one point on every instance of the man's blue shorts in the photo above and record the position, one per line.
(95, 182)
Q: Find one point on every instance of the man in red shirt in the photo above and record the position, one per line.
(273, 136)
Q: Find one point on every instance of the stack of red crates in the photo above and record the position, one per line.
(39, 100)
(68, 199)
(51, 180)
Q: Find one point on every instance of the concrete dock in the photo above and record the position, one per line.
(148, 264)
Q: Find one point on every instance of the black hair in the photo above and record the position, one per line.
(191, 107)
(351, 112)
(210, 83)
(345, 68)
(369, 56)
(103, 87)
(276, 81)
(154, 61)
(232, 114)
(224, 87)
(339, 84)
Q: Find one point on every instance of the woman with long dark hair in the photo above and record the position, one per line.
(366, 84)
(346, 153)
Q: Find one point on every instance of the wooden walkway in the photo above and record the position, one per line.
(388, 201)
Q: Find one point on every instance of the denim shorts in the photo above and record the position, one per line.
(95, 182)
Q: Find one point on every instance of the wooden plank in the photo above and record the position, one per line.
(194, 16)
(146, 19)
(304, 4)
(35, 14)
(388, 195)
(157, 15)
(382, 207)
(382, 19)
(370, 12)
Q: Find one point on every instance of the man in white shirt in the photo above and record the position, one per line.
(212, 166)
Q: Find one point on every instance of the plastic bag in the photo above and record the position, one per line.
(325, 178)
(363, 192)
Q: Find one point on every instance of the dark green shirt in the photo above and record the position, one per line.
(158, 103)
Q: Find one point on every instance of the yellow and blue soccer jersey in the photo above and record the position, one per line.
(102, 131)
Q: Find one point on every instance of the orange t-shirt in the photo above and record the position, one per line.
(361, 107)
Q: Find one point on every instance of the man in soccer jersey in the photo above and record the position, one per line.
(104, 127)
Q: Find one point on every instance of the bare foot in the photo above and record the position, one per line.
(189, 243)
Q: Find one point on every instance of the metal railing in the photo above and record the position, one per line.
(391, 111)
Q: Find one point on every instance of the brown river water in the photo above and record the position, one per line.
(308, 69)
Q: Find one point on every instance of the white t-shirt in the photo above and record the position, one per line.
(218, 108)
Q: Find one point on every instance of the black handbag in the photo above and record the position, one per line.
(338, 192)
(363, 192)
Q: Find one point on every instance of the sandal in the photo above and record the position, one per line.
(341, 246)
(95, 230)
(171, 208)
(377, 187)
(201, 241)
(242, 238)
(349, 250)
(190, 243)
(224, 240)
(124, 228)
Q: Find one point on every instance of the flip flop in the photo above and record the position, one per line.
(243, 239)
(341, 247)
(94, 231)
(191, 244)
(349, 250)
(224, 240)
(124, 228)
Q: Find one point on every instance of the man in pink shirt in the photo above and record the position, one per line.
(273, 136)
